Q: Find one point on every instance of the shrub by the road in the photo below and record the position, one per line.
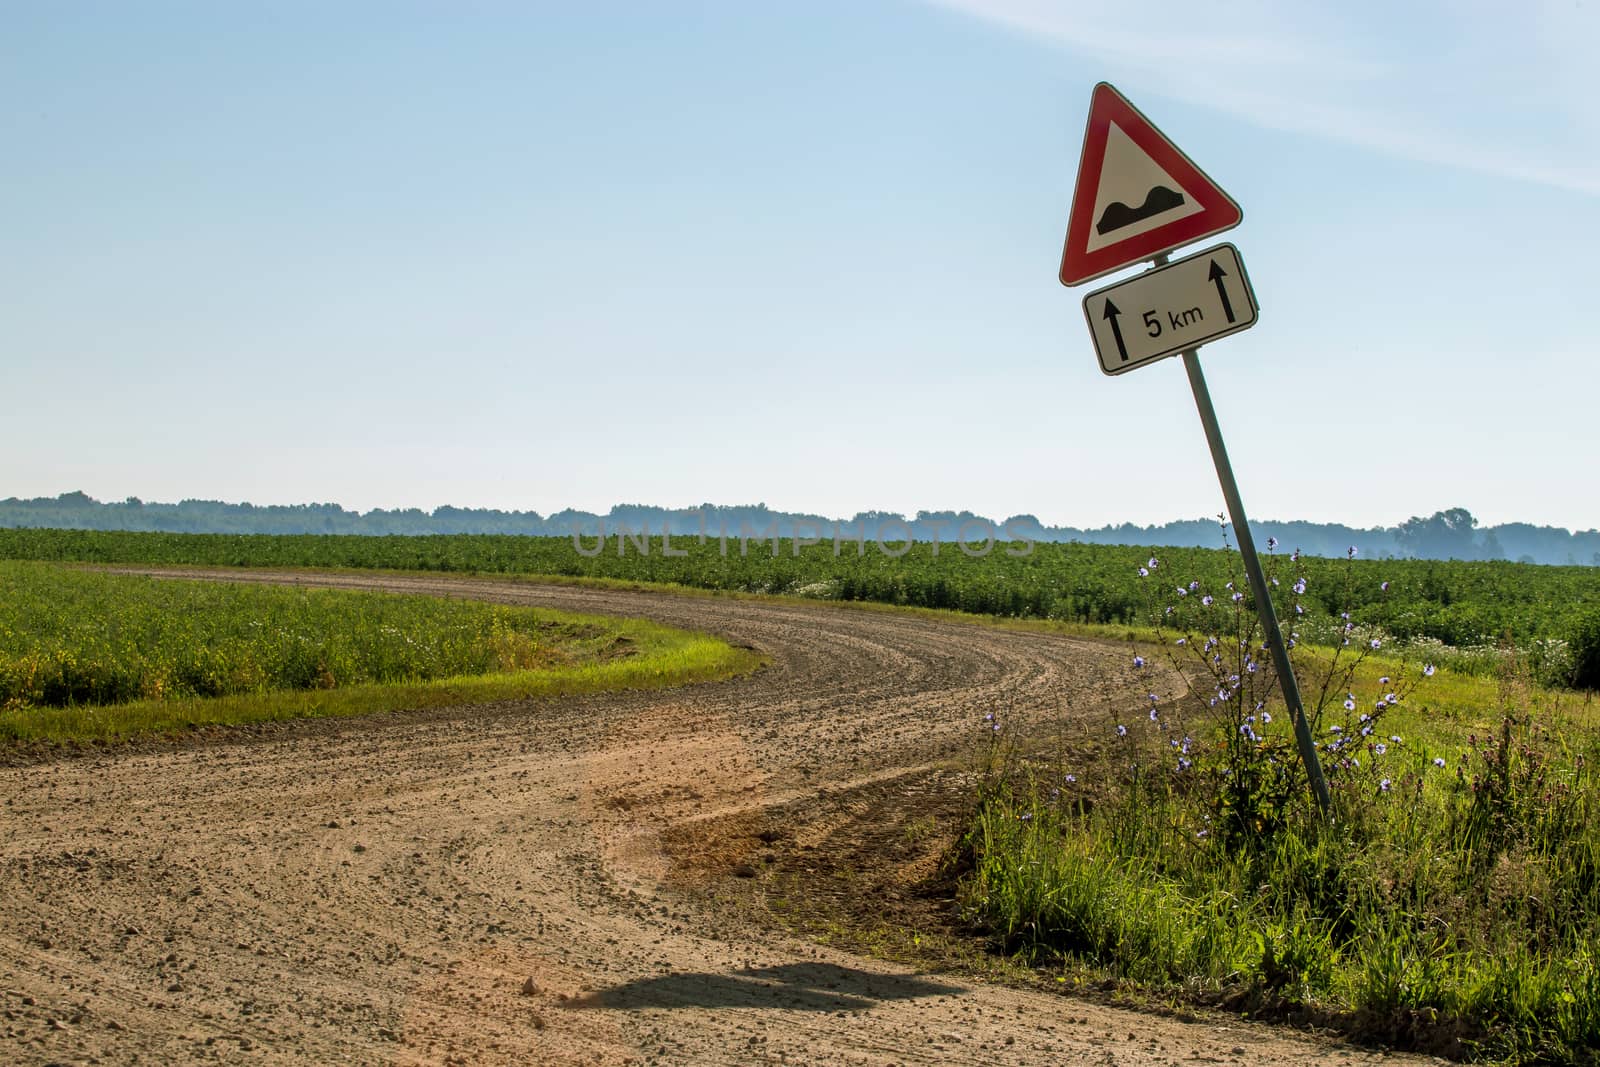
(1585, 651)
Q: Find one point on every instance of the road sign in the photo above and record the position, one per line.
(1137, 195)
(1162, 312)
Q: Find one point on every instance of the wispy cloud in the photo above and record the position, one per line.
(1505, 89)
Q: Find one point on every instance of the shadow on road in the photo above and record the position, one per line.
(795, 986)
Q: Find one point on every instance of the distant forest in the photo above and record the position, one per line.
(1452, 534)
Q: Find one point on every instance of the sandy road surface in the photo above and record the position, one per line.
(379, 890)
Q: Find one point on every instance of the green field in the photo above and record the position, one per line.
(1468, 608)
(90, 655)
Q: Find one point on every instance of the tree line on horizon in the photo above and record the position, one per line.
(1449, 534)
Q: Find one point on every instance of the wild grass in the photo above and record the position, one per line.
(87, 656)
(1451, 902)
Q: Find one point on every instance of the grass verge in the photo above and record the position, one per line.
(1451, 904)
(165, 657)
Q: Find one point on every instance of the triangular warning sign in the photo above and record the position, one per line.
(1137, 196)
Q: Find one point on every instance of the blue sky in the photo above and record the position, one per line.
(539, 256)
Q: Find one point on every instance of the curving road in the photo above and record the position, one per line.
(489, 885)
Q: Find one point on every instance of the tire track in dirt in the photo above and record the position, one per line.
(380, 890)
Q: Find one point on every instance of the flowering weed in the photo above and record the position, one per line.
(1452, 903)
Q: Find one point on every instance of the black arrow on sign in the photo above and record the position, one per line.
(1116, 330)
(1216, 275)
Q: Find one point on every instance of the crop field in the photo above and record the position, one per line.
(75, 641)
(70, 637)
(1468, 609)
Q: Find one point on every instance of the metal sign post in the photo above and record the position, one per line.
(1258, 581)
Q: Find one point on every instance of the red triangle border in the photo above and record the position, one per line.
(1218, 212)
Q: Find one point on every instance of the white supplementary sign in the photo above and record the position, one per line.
(1164, 311)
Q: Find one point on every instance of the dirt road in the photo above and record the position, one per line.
(489, 885)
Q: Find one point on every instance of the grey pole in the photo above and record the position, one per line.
(1258, 580)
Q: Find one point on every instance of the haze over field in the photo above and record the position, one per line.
(1451, 534)
(532, 257)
